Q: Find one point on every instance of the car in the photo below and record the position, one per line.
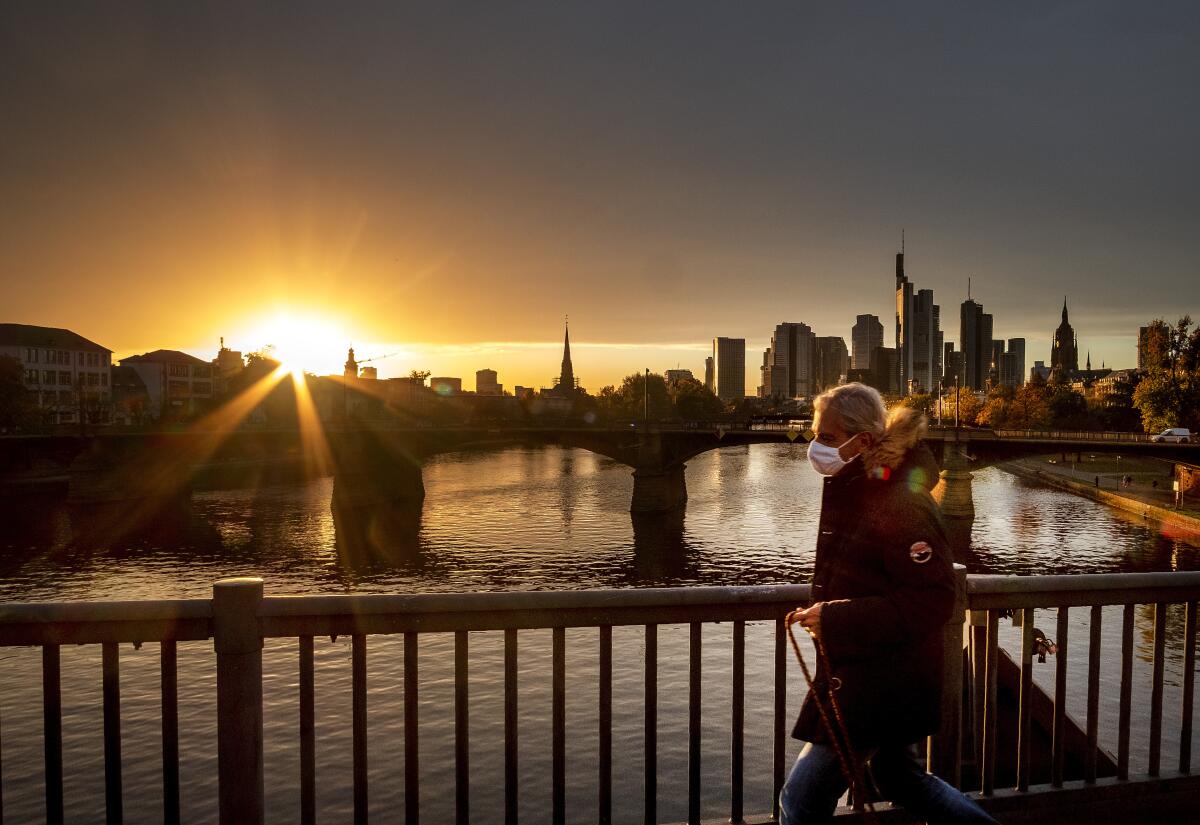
(1175, 435)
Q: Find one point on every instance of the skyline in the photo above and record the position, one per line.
(450, 184)
(394, 359)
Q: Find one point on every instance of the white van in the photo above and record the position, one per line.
(1175, 435)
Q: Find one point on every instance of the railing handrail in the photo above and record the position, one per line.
(104, 611)
(23, 623)
(468, 602)
(990, 583)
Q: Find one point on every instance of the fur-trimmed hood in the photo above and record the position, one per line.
(905, 428)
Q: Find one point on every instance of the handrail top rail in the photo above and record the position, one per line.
(995, 584)
(284, 606)
(104, 611)
(503, 601)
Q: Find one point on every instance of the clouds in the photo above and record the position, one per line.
(469, 173)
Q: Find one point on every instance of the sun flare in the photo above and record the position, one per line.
(302, 342)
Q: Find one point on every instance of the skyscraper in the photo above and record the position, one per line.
(866, 335)
(729, 368)
(918, 335)
(831, 362)
(1013, 374)
(709, 378)
(788, 362)
(975, 342)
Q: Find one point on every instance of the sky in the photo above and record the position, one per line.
(439, 185)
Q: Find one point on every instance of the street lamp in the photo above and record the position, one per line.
(646, 397)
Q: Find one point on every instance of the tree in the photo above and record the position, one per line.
(419, 376)
(17, 408)
(1028, 410)
(965, 405)
(1169, 392)
(1067, 409)
(995, 411)
(693, 401)
(1166, 401)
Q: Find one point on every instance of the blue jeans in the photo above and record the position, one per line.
(816, 783)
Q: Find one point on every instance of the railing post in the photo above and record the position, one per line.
(237, 638)
(945, 748)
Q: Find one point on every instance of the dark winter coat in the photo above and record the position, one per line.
(885, 572)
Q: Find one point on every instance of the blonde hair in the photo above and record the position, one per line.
(859, 408)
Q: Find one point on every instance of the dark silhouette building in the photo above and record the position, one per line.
(919, 337)
(975, 343)
(1064, 353)
(566, 383)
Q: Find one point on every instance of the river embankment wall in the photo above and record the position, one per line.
(1145, 509)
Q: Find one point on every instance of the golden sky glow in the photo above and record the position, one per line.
(447, 186)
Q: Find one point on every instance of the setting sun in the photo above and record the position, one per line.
(301, 342)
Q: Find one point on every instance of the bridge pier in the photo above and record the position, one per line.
(369, 472)
(657, 490)
(953, 492)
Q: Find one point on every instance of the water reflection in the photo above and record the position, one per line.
(383, 536)
(661, 554)
(536, 518)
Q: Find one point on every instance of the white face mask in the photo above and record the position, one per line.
(827, 460)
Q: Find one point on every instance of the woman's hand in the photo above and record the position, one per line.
(809, 619)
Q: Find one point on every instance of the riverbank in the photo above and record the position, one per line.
(1150, 502)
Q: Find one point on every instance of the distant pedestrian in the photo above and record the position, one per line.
(1097, 481)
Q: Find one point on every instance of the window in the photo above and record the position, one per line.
(64, 396)
(48, 376)
(178, 370)
(177, 389)
(64, 378)
(79, 358)
(201, 371)
(93, 379)
(104, 379)
(31, 376)
(202, 388)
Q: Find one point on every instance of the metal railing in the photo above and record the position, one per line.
(239, 618)
(1076, 435)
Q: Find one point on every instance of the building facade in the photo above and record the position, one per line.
(788, 364)
(831, 362)
(918, 335)
(729, 368)
(177, 384)
(486, 383)
(445, 385)
(864, 337)
(975, 343)
(1012, 373)
(68, 377)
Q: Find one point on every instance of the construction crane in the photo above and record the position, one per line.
(376, 358)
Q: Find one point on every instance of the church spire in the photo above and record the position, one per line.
(1064, 320)
(566, 379)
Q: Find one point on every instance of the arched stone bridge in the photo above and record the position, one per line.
(377, 465)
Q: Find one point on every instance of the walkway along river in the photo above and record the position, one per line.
(511, 519)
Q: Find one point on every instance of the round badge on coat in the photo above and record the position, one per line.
(920, 552)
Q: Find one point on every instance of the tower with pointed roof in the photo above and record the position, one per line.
(565, 385)
(1064, 353)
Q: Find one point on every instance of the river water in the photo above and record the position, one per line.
(506, 519)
